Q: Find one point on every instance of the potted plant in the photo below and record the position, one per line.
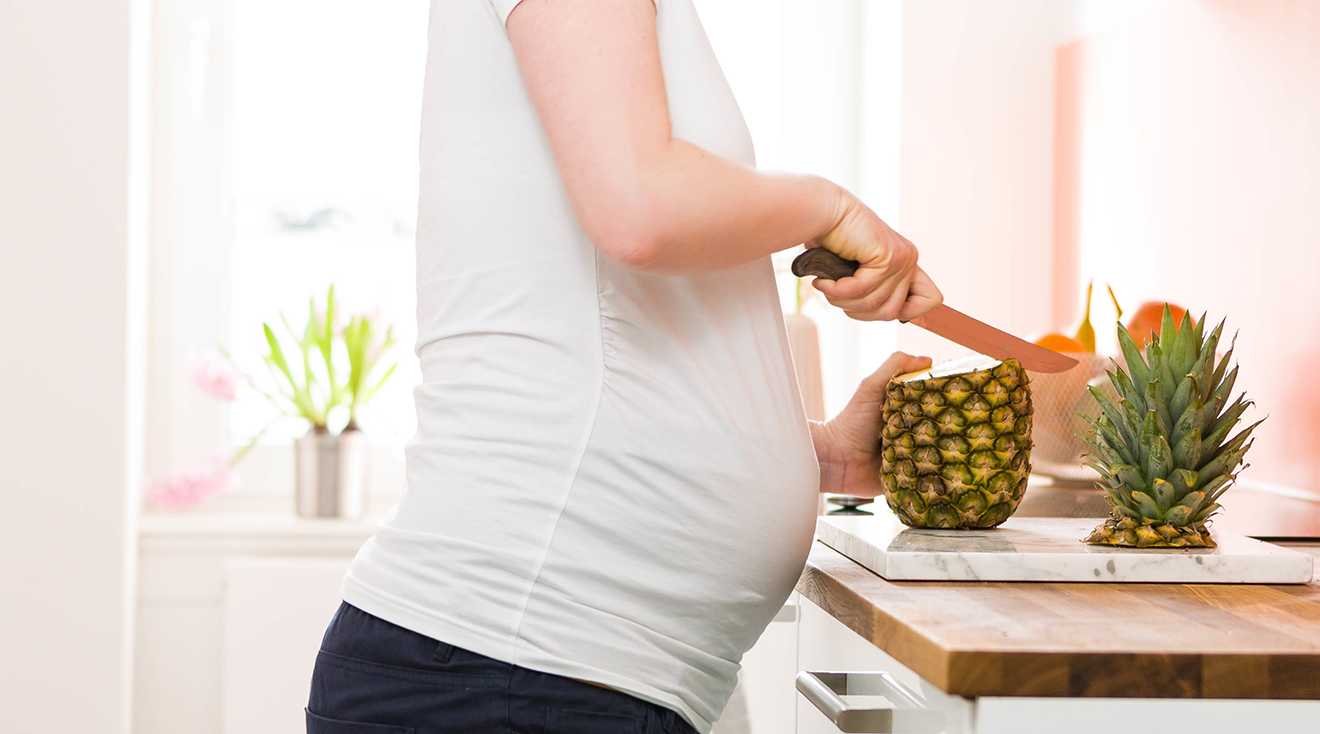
(309, 383)
(330, 469)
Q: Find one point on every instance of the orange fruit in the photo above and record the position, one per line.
(1060, 343)
(1148, 318)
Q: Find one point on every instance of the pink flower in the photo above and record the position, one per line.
(214, 375)
(189, 487)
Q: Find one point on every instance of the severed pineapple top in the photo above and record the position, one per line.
(1163, 449)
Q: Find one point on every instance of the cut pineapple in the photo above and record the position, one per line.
(956, 443)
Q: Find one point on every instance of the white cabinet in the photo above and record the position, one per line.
(825, 644)
(276, 611)
(231, 610)
(760, 704)
(1100, 715)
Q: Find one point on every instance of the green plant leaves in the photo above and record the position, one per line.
(1192, 419)
(317, 384)
(1130, 476)
(1136, 364)
(1205, 512)
(383, 378)
(1219, 431)
(1182, 397)
(1227, 457)
(276, 353)
(1125, 388)
(1220, 396)
(364, 350)
(1187, 452)
(1183, 350)
(1178, 515)
(1218, 375)
(1158, 407)
(1146, 505)
(326, 339)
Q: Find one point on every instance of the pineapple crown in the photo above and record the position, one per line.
(1163, 450)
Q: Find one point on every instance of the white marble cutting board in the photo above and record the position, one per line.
(1049, 549)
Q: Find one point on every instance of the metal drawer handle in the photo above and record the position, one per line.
(907, 715)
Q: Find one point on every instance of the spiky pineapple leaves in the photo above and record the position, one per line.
(1162, 450)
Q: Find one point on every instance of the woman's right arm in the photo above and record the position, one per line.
(666, 206)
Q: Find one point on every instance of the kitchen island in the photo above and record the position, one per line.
(1030, 656)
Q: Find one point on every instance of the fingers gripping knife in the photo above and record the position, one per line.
(945, 321)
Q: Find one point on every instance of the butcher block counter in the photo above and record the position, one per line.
(1040, 639)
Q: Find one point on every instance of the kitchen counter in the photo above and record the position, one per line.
(978, 639)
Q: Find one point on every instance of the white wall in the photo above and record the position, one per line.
(976, 157)
(72, 270)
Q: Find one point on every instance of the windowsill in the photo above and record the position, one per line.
(256, 525)
(252, 525)
(251, 534)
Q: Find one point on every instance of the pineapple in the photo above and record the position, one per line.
(1163, 451)
(956, 443)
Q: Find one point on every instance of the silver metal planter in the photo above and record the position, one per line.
(331, 474)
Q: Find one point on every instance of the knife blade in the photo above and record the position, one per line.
(946, 321)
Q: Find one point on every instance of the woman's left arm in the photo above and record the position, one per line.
(848, 445)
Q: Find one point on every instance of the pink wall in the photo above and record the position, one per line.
(1187, 169)
(975, 160)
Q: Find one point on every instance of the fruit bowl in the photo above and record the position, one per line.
(1056, 428)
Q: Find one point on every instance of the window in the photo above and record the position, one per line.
(324, 130)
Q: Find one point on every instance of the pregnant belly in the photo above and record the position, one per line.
(697, 550)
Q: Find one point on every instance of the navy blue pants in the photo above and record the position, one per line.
(374, 677)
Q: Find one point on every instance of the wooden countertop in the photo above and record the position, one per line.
(1102, 640)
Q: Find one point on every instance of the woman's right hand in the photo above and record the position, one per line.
(888, 284)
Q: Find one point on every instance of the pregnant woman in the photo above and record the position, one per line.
(612, 488)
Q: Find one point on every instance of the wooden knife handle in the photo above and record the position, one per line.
(822, 263)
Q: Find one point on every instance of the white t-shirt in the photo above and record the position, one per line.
(612, 477)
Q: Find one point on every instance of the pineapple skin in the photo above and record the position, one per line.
(956, 450)
(1163, 451)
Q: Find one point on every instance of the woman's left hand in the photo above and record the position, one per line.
(848, 445)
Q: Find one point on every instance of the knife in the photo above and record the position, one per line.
(949, 323)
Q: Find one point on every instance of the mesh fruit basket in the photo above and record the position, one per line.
(1056, 400)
